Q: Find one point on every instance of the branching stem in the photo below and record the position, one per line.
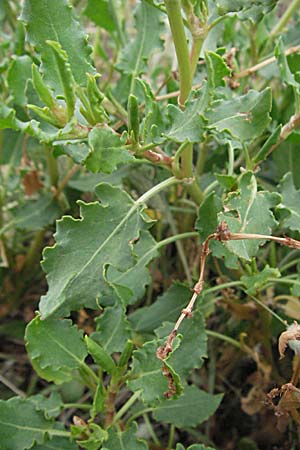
(222, 234)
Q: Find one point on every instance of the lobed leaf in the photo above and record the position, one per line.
(22, 425)
(106, 151)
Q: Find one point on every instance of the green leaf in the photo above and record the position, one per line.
(66, 76)
(134, 56)
(41, 88)
(85, 247)
(257, 281)
(56, 443)
(192, 408)
(21, 425)
(166, 308)
(187, 125)
(290, 203)
(146, 373)
(286, 74)
(253, 10)
(207, 223)
(193, 345)
(101, 12)
(37, 214)
(107, 151)
(264, 151)
(216, 70)
(145, 250)
(52, 405)
(103, 359)
(118, 440)
(113, 329)
(56, 348)
(54, 20)
(96, 435)
(244, 117)
(248, 211)
(98, 401)
(17, 77)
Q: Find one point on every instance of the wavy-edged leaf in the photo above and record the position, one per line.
(248, 211)
(192, 408)
(113, 329)
(22, 425)
(17, 77)
(244, 117)
(135, 54)
(290, 203)
(253, 10)
(56, 348)
(85, 247)
(56, 443)
(127, 439)
(145, 250)
(54, 20)
(51, 405)
(107, 151)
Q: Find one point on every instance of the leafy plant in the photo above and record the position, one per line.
(150, 162)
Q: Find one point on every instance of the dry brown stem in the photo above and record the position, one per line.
(222, 234)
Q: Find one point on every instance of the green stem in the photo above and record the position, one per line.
(285, 18)
(187, 171)
(268, 309)
(230, 159)
(138, 414)
(155, 190)
(126, 406)
(181, 47)
(88, 371)
(225, 338)
(84, 406)
(203, 150)
(151, 430)
(52, 166)
(196, 48)
(171, 436)
(34, 251)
